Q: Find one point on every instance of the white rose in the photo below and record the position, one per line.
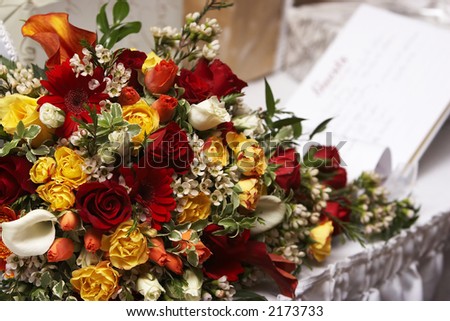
(51, 116)
(30, 235)
(193, 289)
(251, 125)
(208, 114)
(149, 287)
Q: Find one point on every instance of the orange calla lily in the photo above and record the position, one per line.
(59, 38)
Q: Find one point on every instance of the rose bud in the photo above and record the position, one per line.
(69, 221)
(61, 250)
(128, 96)
(165, 106)
(174, 264)
(160, 79)
(92, 240)
(157, 252)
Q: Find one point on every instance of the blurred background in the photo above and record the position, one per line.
(259, 36)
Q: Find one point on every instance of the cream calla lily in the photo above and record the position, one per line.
(30, 235)
(272, 210)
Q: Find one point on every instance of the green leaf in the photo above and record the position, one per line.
(199, 225)
(8, 63)
(320, 128)
(120, 11)
(127, 29)
(287, 122)
(32, 131)
(46, 279)
(20, 129)
(102, 20)
(58, 289)
(39, 295)
(175, 236)
(246, 295)
(192, 258)
(31, 158)
(41, 150)
(270, 101)
(8, 147)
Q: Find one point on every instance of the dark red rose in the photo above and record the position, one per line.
(169, 148)
(225, 82)
(14, 179)
(159, 79)
(336, 179)
(229, 253)
(330, 157)
(215, 79)
(196, 88)
(133, 59)
(328, 162)
(288, 172)
(151, 188)
(338, 210)
(165, 106)
(104, 205)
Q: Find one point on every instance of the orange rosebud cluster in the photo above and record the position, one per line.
(128, 96)
(69, 221)
(61, 250)
(157, 253)
(92, 240)
(203, 252)
(165, 106)
(159, 79)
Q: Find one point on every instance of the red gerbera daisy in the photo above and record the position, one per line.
(71, 93)
(151, 188)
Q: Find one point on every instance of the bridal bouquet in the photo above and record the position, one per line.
(127, 175)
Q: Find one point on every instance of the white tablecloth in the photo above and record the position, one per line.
(415, 265)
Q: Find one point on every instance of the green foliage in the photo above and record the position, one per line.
(118, 30)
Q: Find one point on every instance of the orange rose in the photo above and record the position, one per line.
(165, 106)
(128, 96)
(157, 253)
(6, 215)
(160, 79)
(92, 240)
(174, 263)
(61, 250)
(69, 221)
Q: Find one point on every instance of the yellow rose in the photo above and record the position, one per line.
(151, 61)
(145, 116)
(250, 156)
(59, 195)
(251, 191)
(321, 235)
(196, 208)
(215, 152)
(69, 167)
(126, 250)
(42, 170)
(95, 283)
(15, 108)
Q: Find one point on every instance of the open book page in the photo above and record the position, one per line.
(386, 81)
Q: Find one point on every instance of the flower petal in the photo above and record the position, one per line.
(60, 39)
(272, 210)
(30, 235)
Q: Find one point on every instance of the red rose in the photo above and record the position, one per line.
(337, 210)
(229, 253)
(288, 174)
(169, 148)
(333, 175)
(165, 106)
(215, 79)
(133, 59)
(225, 81)
(104, 205)
(196, 88)
(14, 179)
(159, 79)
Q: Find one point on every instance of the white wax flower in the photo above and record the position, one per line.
(30, 235)
(208, 114)
(51, 116)
(251, 125)
(193, 289)
(149, 287)
(272, 210)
